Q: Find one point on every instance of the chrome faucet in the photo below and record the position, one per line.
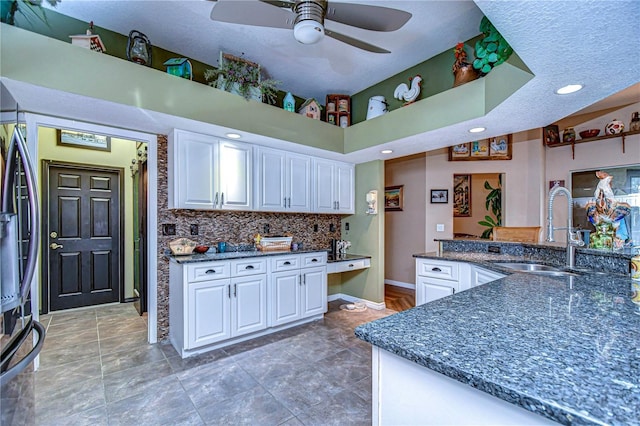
(573, 238)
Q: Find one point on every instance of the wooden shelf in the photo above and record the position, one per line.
(622, 135)
(341, 111)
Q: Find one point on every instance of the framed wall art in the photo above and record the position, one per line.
(439, 196)
(84, 140)
(461, 195)
(551, 135)
(393, 198)
(496, 148)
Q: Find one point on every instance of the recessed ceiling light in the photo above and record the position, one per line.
(571, 88)
(477, 130)
(386, 151)
(233, 135)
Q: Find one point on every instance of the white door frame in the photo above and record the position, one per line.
(33, 121)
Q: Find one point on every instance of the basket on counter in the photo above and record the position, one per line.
(275, 244)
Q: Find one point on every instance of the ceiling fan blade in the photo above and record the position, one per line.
(254, 13)
(374, 18)
(354, 42)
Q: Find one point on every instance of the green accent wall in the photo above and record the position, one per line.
(366, 233)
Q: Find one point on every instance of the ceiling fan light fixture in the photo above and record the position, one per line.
(308, 32)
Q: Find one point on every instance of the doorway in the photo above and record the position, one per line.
(140, 175)
(82, 248)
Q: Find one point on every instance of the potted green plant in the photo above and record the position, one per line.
(493, 201)
(492, 49)
(27, 8)
(243, 77)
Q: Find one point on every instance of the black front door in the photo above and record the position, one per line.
(83, 235)
(140, 237)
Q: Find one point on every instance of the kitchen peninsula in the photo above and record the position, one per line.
(523, 349)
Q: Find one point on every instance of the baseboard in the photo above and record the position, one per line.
(400, 284)
(373, 305)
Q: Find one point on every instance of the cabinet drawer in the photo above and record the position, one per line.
(350, 265)
(209, 271)
(313, 259)
(285, 263)
(252, 266)
(437, 269)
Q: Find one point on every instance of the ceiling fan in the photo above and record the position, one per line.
(306, 18)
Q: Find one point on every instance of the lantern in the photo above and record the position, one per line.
(180, 67)
(139, 48)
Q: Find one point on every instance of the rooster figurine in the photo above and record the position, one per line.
(403, 92)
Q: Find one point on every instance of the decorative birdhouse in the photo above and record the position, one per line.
(89, 40)
(180, 67)
(310, 108)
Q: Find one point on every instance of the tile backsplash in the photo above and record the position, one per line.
(230, 226)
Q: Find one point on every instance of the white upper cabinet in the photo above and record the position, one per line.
(333, 184)
(206, 173)
(284, 181)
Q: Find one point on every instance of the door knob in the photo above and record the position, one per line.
(55, 246)
(54, 234)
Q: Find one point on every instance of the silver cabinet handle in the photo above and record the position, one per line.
(210, 271)
(235, 290)
(222, 200)
(338, 204)
(215, 201)
(300, 280)
(304, 279)
(229, 288)
(453, 291)
(436, 270)
(289, 202)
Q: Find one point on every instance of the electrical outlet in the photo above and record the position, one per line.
(265, 228)
(440, 227)
(346, 226)
(194, 229)
(332, 228)
(315, 228)
(168, 229)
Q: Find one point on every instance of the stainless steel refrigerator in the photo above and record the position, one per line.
(19, 240)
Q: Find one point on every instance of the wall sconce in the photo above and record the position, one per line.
(372, 202)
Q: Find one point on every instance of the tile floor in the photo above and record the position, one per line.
(97, 369)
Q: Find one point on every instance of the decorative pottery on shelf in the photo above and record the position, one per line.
(614, 127)
(463, 72)
(569, 135)
(607, 215)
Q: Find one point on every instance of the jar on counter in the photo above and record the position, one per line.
(569, 135)
(635, 122)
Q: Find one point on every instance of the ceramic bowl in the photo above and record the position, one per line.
(591, 133)
(201, 249)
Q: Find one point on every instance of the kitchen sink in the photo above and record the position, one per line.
(536, 268)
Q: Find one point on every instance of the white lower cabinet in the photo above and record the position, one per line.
(298, 287)
(216, 303)
(439, 278)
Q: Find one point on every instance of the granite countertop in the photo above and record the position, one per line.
(208, 257)
(564, 347)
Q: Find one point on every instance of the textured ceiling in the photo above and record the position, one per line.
(595, 43)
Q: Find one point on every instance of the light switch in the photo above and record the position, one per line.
(440, 227)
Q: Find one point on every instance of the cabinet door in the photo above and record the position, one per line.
(314, 291)
(193, 176)
(323, 185)
(298, 183)
(429, 289)
(208, 313)
(482, 276)
(249, 304)
(235, 163)
(285, 297)
(344, 188)
(271, 180)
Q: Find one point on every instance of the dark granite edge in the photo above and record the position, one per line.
(212, 257)
(348, 258)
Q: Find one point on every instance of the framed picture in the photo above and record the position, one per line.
(480, 148)
(496, 148)
(84, 140)
(461, 195)
(551, 135)
(439, 196)
(459, 151)
(393, 198)
(500, 147)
